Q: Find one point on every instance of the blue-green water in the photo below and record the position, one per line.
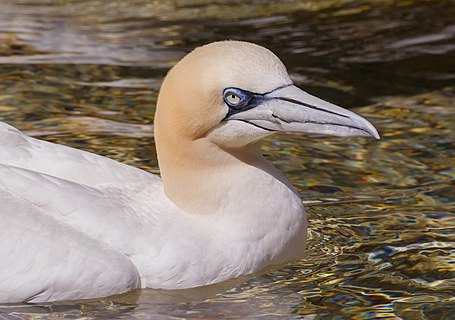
(381, 213)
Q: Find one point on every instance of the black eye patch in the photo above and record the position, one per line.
(246, 100)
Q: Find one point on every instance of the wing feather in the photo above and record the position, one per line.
(20, 150)
(45, 259)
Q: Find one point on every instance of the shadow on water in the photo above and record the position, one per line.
(87, 74)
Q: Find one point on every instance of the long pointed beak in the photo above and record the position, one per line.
(292, 109)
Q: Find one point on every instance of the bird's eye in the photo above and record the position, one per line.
(236, 98)
(232, 98)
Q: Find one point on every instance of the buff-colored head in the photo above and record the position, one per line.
(191, 97)
(193, 101)
(228, 96)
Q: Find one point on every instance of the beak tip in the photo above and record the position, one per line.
(367, 126)
(373, 132)
(375, 135)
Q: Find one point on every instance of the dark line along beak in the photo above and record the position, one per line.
(291, 109)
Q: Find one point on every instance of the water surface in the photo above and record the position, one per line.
(381, 213)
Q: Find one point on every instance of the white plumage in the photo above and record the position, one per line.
(77, 225)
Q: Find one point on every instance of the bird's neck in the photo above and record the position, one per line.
(200, 177)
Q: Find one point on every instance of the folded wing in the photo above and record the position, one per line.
(20, 150)
(45, 259)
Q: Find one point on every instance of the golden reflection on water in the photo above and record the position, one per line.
(381, 238)
(381, 229)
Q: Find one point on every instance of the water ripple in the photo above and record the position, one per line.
(381, 213)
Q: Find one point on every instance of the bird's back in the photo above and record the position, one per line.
(67, 221)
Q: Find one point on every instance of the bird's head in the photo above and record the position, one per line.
(236, 93)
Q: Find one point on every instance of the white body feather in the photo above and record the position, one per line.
(77, 225)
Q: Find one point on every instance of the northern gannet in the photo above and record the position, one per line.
(75, 225)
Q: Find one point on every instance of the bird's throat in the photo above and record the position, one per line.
(202, 178)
